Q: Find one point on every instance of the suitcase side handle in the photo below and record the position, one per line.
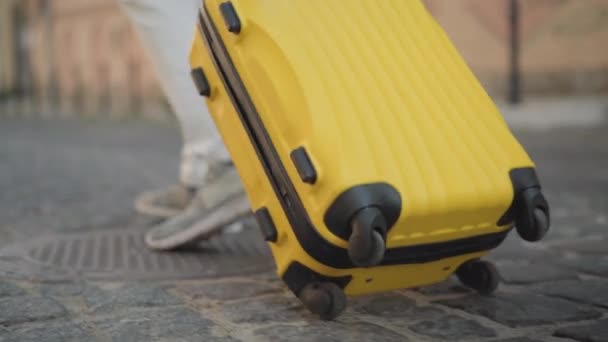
(231, 17)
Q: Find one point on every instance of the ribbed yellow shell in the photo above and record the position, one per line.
(375, 92)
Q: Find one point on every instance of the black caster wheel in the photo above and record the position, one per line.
(367, 242)
(481, 276)
(534, 228)
(532, 222)
(324, 299)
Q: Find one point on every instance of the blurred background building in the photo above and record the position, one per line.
(82, 57)
(76, 57)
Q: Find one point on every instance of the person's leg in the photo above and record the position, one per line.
(166, 29)
(207, 176)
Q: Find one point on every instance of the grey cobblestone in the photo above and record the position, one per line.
(588, 291)
(450, 286)
(589, 264)
(17, 310)
(518, 339)
(403, 313)
(16, 267)
(267, 309)
(592, 332)
(10, 290)
(59, 177)
(228, 290)
(589, 246)
(173, 324)
(452, 328)
(337, 332)
(573, 229)
(70, 168)
(393, 307)
(514, 250)
(64, 289)
(520, 310)
(129, 296)
(527, 273)
(69, 332)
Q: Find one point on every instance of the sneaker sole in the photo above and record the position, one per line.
(228, 213)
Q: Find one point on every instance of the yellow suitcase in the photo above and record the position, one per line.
(372, 157)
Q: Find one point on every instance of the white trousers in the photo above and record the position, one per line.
(166, 29)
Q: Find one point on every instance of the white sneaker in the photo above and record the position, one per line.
(164, 203)
(219, 203)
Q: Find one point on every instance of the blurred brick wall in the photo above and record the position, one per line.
(100, 63)
(7, 46)
(85, 54)
(564, 45)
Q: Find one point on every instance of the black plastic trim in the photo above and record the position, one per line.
(231, 18)
(380, 195)
(297, 276)
(436, 251)
(266, 224)
(307, 235)
(522, 179)
(201, 82)
(306, 170)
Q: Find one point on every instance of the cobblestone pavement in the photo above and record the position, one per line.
(66, 190)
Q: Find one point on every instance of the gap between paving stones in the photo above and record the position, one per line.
(246, 330)
(214, 310)
(536, 330)
(500, 328)
(215, 313)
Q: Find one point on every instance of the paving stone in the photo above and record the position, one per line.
(139, 295)
(74, 193)
(63, 289)
(593, 332)
(15, 310)
(589, 264)
(587, 291)
(452, 328)
(54, 333)
(60, 175)
(268, 309)
(330, 332)
(450, 286)
(591, 246)
(574, 229)
(178, 324)
(403, 313)
(514, 249)
(228, 290)
(520, 310)
(393, 306)
(10, 290)
(17, 267)
(527, 273)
